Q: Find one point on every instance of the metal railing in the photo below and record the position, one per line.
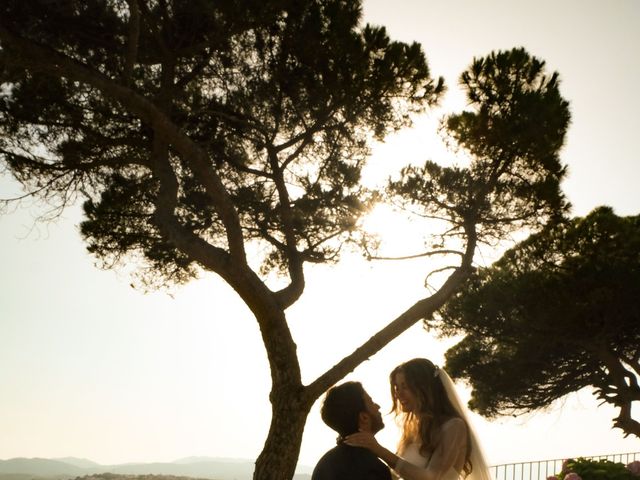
(542, 469)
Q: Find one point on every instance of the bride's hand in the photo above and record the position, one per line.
(362, 439)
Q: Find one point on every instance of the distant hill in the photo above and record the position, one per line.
(78, 462)
(40, 467)
(115, 476)
(211, 469)
(73, 468)
(26, 476)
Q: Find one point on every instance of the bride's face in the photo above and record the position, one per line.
(405, 395)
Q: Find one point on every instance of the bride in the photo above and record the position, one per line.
(437, 442)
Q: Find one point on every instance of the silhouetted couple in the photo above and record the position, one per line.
(437, 442)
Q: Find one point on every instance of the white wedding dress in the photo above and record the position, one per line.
(412, 456)
(446, 461)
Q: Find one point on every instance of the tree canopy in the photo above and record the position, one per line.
(557, 313)
(512, 133)
(230, 137)
(281, 97)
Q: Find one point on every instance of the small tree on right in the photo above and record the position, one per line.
(557, 313)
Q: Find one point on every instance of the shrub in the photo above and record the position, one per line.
(583, 469)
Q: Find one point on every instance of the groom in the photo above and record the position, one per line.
(347, 409)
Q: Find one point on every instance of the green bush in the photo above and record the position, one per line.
(596, 470)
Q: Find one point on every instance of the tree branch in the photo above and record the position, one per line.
(132, 41)
(418, 255)
(424, 308)
(49, 61)
(288, 295)
(213, 258)
(622, 395)
(633, 362)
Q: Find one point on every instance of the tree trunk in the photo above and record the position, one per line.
(279, 457)
(621, 391)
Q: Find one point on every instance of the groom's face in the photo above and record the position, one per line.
(373, 413)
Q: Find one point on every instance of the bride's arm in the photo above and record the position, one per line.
(368, 441)
(453, 439)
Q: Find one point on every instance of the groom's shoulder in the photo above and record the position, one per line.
(329, 463)
(350, 463)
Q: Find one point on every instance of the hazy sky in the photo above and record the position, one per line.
(90, 367)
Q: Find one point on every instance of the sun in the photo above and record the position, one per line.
(397, 232)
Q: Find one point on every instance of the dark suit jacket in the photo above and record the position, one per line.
(350, 463)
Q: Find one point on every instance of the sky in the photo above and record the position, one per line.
(90, 367)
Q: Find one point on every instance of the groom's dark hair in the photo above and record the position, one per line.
(342, 406)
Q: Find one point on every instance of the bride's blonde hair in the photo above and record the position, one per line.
(433, 408)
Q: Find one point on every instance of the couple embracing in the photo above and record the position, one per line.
(437, 441)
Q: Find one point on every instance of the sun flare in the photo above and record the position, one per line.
(395, 229)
